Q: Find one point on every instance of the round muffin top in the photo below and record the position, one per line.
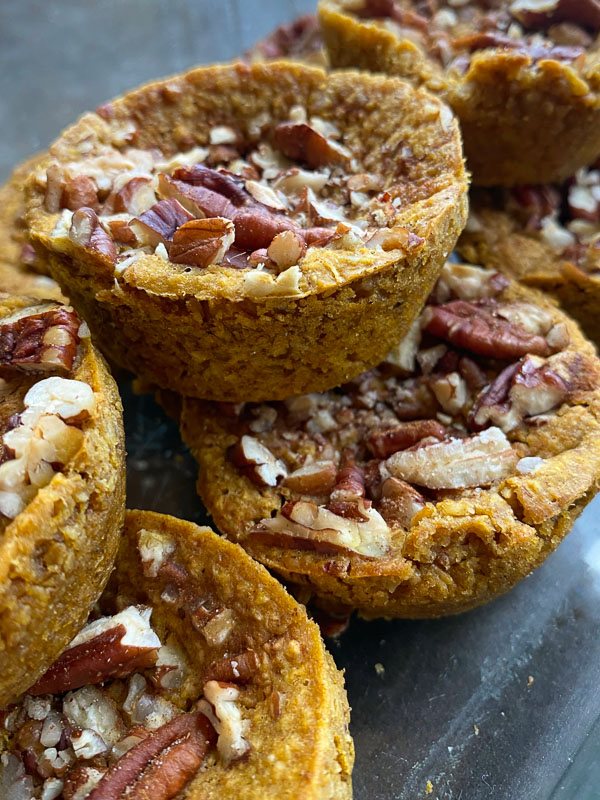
(564, 217)
(452, 31)
(254, 180)
(193, 667)
(44, 405)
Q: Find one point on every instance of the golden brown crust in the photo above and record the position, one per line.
(542, 117)
(56, 555)
(306, 751)
(16, 276)
(458, 552)
(200, 332)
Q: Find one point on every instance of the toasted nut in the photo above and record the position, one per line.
(55, 184)
(234, 669)
(112, 647)
(385, 442)
(458, 463)
(305, 526)
(300, 142)
(477, 327)
(227, 719)
(135, 197)
(79, 192)
(265, 195)
(542, 13)
(346, 498)
(256, 227)
(161, 765)
(158, 224)
(286, 249)
(400, 502)
(202, 242)
(87, 232)
(257, 462)
(394, 239)
(40, 338)
(121, 232)
(317, 478)
(464, 282)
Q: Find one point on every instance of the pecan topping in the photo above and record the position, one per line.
(456, 464)
(532, 14)
(87, 231)
(124, 644)
(300, 142)
(135, 197)
(161, 765)
(202, 242)
(400, 501)
(46, 340)
(387, 441)
(158, 224)
(257, 462)
(79, 192)
(316, 478)
(347, 496)
(477, 327)
(286, 249)
(234, 669)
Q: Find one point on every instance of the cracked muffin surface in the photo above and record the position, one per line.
(273, 244)
(522, 77)
(62, 482)
(196, 676)
(430, 484)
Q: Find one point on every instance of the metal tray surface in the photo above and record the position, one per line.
(502, 702)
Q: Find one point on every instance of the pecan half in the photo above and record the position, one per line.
(477, 327)
(46, 340)
(158, 224)
(161, 765)
(384, 442)
(202, 242)
(456, 464)
(124, 644)
(300, 142)
(87, 232)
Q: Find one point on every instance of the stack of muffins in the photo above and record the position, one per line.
(268, 246)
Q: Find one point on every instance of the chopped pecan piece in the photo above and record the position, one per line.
(317, 478)
(300, 142)
(79, 192)
(112, 647)
(286, 249)
(543, 13)
(257, 462)
(87, 232)
(347, 496)
(234, 669)
(135, 197)
(158, 224)
(399, 502)
(479, 328)
(457, 464)
(202, 242)
(384, 442)
(40, 338)
(226, 719)
(162, 764)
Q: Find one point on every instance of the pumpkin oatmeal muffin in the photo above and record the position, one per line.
(197, 676)
(298, 40)
(18, 261)
(250, 232)
(62, 481)
(546, 236)
(430, 484)
(523, 77)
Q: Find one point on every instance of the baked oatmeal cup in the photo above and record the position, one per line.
(250, 232)
(18, 261)
(523, 77)
(545, 235)
(430, 484)
(62, 482)
(197, 676)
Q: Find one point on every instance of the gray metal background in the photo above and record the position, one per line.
(443, 680)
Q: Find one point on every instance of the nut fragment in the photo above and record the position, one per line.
(87, 232)
(40, 338)
(286, 249)
(384, 442)
(258, 462)
(317, 478)
(202, 242)
(110, 647)
(400, 502)
(158, 224)
(78, 192)
(456, 464)
(135, 197)
(300, 142)
(227, 720)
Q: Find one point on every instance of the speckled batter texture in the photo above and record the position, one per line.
(521, 122)
(56, 556)
(500, 242)
(304, 752)
(199, 332)
(16, 276)
(459, 551)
